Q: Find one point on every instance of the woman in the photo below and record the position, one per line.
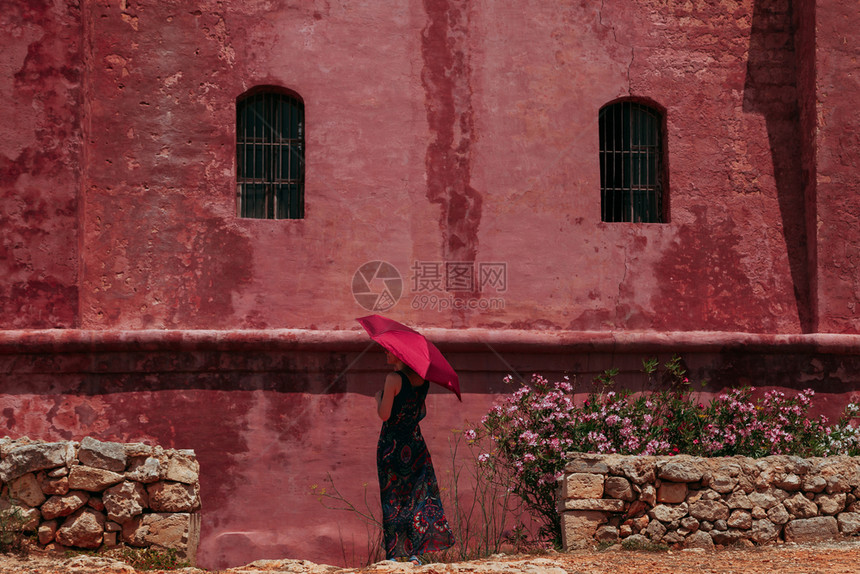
(413, 521)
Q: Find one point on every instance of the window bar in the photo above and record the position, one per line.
(289, 142)
(240, 153)
(605, 202)
(252, 172)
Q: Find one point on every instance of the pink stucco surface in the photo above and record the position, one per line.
(136, 305)
(41, 65)
(445, 131)
(836, 148)
(272, 413)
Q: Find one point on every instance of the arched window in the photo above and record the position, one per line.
(631, 163)
(270, 154)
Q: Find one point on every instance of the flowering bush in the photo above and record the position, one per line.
(531, 430)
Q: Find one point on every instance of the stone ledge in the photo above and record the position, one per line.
(476, 339)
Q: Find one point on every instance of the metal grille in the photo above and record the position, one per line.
(270, 153)
(631, 165)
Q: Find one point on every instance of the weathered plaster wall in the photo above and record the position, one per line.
(445, 131)
(437, 131)
(725, 259)
(270, 413)
(41, 68)
(836, 177)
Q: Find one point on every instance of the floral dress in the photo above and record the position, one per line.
(413, 521)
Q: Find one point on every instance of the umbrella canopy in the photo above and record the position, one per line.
(413, 349)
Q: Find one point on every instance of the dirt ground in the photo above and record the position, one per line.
(825, 558)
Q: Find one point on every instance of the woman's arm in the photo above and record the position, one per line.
(385, 402)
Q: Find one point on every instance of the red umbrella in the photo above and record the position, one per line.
(413, 349)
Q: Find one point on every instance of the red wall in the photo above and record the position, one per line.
(445, 132)
(271, 413)
(437, 131)
(837, 140)
(41, 69)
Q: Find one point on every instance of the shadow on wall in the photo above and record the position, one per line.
(771, 90)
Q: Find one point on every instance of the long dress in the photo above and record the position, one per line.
(413, 521)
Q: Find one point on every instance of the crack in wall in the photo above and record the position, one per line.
(629, 66)
(615, 39)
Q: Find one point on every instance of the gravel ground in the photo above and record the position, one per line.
(825, 558)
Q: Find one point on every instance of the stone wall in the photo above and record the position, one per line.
(693, 502)
(91, 494)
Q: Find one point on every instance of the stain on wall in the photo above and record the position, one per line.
(446, 77)
(41, 64)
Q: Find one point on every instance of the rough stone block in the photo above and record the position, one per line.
(58, 472)
(47, 531)
(53, 485)
(812, 529)
(763, 500)
(723, 483)
(831, 503)
(618, 487)
(639, 469)
(111, 526)
(800, 507)
(32, 457)
(25, 489)
(655, 530)
(580, 485)
(667, 514)
(726, 537)
(740, 519)
(83, 529)
(790, 482)
(92, 479)
(58, 506)
(600, 504)
(180, 497)
(849, 523)
(138, 449)
(606, 534)
(739, 500)
(648, 494)
(778, 515)
(710, 510)
(814, 483)
(764, 531)
(105, 455)
(672, 492)
(683, 469)
(579, 526)
(699, 539)
(183, 468)
(583, 463)
(21, 518)
(146, 470)
(124, 501)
